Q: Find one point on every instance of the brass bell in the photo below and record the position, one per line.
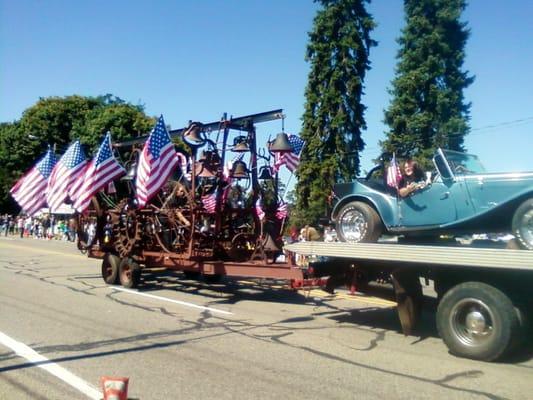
(192, 136)
(240, 145)
(280, 144)
(265, 173)
(239, 170)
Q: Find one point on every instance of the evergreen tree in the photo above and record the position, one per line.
(333, 119)
(428, 109)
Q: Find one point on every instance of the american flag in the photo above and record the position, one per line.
(157, 162)
(66, 175)
(282, 211)
(259, 209)
(103, 169)
(30, 189)
(210, 203)
(291, 158)
(394, 174)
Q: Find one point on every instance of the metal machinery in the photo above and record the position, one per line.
(204, 220)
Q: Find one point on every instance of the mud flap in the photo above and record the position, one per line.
(408, 291)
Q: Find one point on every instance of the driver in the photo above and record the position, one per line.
(412, 178)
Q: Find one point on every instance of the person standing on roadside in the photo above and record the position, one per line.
(21, 225)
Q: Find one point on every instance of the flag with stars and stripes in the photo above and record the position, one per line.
(290, 159)
(30, 189)
(66, 175)
(103, 169)
(394, 175)
(157, 162)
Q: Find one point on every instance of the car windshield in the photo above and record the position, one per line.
(462, 163)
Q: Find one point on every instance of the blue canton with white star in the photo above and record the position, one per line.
(159, 138)
(104, 152)
(296, 144)
(46, 165)
(73, 156)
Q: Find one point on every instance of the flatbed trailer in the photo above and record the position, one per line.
(484, 294)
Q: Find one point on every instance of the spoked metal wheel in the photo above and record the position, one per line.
(522, 224)
(358, 222)
(354, 226)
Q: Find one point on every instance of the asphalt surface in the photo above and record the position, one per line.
(62, 328)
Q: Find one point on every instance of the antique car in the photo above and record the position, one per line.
(458, 198)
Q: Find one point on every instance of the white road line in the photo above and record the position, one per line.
(42, 362)
(183, 303)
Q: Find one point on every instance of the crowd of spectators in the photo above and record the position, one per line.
(42, 227)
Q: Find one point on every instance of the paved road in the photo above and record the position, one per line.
(62, 328)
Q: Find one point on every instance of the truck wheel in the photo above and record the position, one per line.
(477, 321)
(110, 267)
(129, 273)
(358, 222)
(522, 224)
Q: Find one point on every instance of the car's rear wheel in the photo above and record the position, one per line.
(522, 224)
(358, 222)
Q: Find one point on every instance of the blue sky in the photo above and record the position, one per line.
(195, 60)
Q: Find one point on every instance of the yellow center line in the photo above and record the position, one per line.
(32, 249)
(356, 297)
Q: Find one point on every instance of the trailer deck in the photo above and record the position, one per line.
(420, 254)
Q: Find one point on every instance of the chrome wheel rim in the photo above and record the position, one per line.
(354, 225)
(472, 322)
(526, 228)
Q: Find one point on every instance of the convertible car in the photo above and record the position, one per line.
(458, 198)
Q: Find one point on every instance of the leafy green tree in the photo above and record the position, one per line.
(333, 120)
(428, 109)
(57, 121)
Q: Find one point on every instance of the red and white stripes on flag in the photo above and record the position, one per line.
(210, 203)
(66, 176)
(30, 189)
(394, 175)
(156, 163)
(103, 169)
(290, 159)
(282, 211)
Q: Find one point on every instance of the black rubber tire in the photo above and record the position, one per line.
(129, 273)
(477, 299)
(192, 275)
(110, 267)
(522, 224)
(212, 278)
(513, 245)
(371, 231)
